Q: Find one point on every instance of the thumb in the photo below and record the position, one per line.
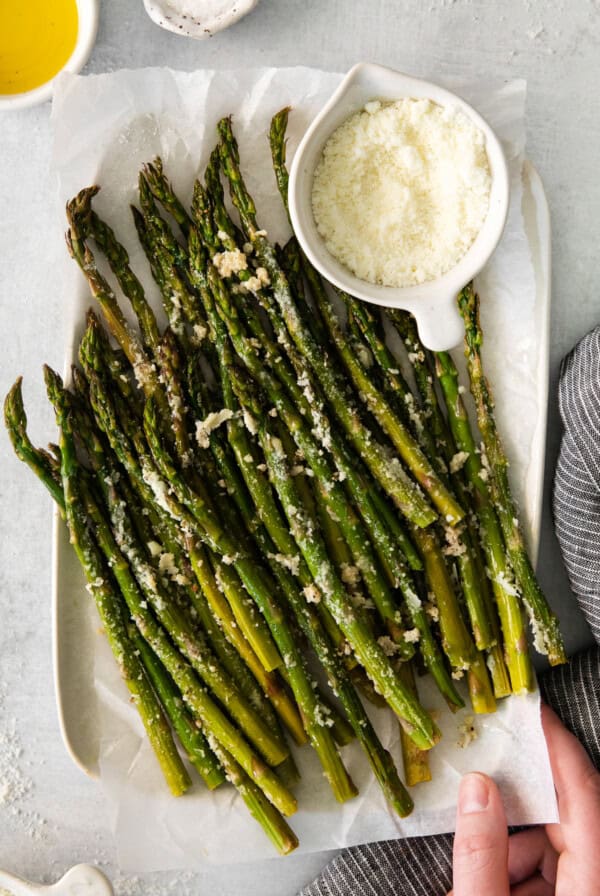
(481, 840)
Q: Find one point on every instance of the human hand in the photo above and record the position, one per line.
(561, 859)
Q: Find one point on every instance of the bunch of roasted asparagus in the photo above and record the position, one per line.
(259, 486)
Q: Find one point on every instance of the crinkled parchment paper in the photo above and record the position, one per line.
(106, 126)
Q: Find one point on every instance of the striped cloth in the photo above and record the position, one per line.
(423, 866)
(577, 485)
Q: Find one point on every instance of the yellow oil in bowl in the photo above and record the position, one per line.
(37, 37)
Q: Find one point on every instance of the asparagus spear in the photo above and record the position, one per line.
(380, 760)
(405, 444)
(175, 623)
(79, 212)
(544, 623)
(266, 814)
(167, 259)
(333, 494)
(261, 588)
(457, 641)
(118, 258)
(201, 704)
(162, 190)
(388, 472)
(349, 618)
(318, 462)
(511, 617)
(191, 737)
(476, 587)
(416, 762)
(252, 624)
(100, 585)
(308, 401)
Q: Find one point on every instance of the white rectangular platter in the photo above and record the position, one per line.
(174, 114)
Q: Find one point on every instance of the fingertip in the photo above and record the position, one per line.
(481, 841)
(474, 793)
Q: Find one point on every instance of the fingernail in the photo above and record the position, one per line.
(473, 794)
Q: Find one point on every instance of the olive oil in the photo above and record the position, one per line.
(37, 37)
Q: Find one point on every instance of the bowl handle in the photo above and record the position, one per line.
(440, 325)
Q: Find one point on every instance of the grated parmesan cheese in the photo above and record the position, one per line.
(291, 563)
(230, 262)
(199, 333)
(350, 574)
(458, 461)
(312, 594)
(211, 421)
(467, 732)
(402, 190)
(250, 422)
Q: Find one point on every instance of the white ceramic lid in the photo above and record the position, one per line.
(197, 18)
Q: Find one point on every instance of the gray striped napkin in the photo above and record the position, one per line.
(423, 866)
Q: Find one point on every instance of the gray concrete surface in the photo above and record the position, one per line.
(50, 815)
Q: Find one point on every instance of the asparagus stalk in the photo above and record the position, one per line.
(167, 259)
(320, 466)
(476, 587)
(100, 584)
(275, 827)
(509, 609)
(388, 472)
(370, 654)
(379, 758)
(544, 623)
(261, 588)
(191, 737)
(416, 762)
(79, 212)
(201, 704)
(162, 190)
(457, 641)
(333, 493)
(175, 622)
(118, 260)
(405, 444)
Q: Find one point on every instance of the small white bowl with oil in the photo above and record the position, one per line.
(38, 40)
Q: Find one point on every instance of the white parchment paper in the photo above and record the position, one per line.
(105, 127)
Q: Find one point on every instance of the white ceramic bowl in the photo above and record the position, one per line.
(87, 11)
(433, 303)
(202, 18)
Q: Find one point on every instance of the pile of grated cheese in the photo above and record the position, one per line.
(402, 190)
